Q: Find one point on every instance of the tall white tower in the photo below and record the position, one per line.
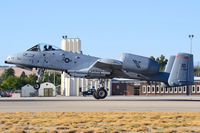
(70, 86)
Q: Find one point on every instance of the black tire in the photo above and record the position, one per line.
(37, 86)
(102, 93)
(95, 95)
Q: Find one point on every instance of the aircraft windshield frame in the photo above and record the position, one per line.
(43, 47)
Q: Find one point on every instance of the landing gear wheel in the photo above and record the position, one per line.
(102, 93)
(95, 95)
(37, 86)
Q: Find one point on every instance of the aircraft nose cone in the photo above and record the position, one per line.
(9, 59)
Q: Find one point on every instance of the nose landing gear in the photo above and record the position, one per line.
(36, 86)
(40, 73)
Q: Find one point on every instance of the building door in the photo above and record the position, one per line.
(48, 92)
(136, 91)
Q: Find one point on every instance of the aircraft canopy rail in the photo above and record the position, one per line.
(43, 47)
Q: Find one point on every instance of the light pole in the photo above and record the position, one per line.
(191, 37)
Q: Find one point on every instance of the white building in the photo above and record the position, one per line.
(28, 91)
(70, 86)
(47, 89)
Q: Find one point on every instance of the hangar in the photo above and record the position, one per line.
(47, 90)
(28, 91)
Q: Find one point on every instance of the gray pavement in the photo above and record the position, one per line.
(110, 104)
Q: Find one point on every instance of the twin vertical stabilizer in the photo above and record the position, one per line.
(181, 70)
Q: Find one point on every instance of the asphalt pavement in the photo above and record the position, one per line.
(110, 104)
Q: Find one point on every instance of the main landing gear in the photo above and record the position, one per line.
(101, 92)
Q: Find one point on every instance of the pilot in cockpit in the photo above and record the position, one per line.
(50, 48)
(45, 48)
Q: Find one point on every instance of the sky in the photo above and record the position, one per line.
(106, 28)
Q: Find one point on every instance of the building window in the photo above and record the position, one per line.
(118, 87)
(162, 89)
(166, 90)
(144, 89)
(198, 90)
(184, 89)
(193, 89)
(153, 89)
(148, 89)
(157, 89)
(175, 89)
(171, 90)
(179, 90)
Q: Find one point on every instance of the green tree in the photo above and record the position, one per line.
(31, 79)
(153, 58)
(23, 75)
(197, 70)
(161, 61)
(12, 82)
(8, 72)
(49, 77)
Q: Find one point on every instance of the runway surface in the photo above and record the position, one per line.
(110, 104)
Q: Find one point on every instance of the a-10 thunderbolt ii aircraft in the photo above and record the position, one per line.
(179, 70)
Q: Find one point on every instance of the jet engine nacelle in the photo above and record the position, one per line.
(139, 64)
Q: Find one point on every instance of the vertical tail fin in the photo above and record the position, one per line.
(170, 64)
(182, 70)
(168, 69)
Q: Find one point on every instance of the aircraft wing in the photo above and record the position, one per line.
(106, 65)
(100, 68)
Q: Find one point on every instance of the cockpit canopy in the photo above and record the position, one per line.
(43, 47)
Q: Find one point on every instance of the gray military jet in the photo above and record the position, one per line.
(179, 70)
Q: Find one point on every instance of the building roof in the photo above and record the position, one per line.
(123, 80)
